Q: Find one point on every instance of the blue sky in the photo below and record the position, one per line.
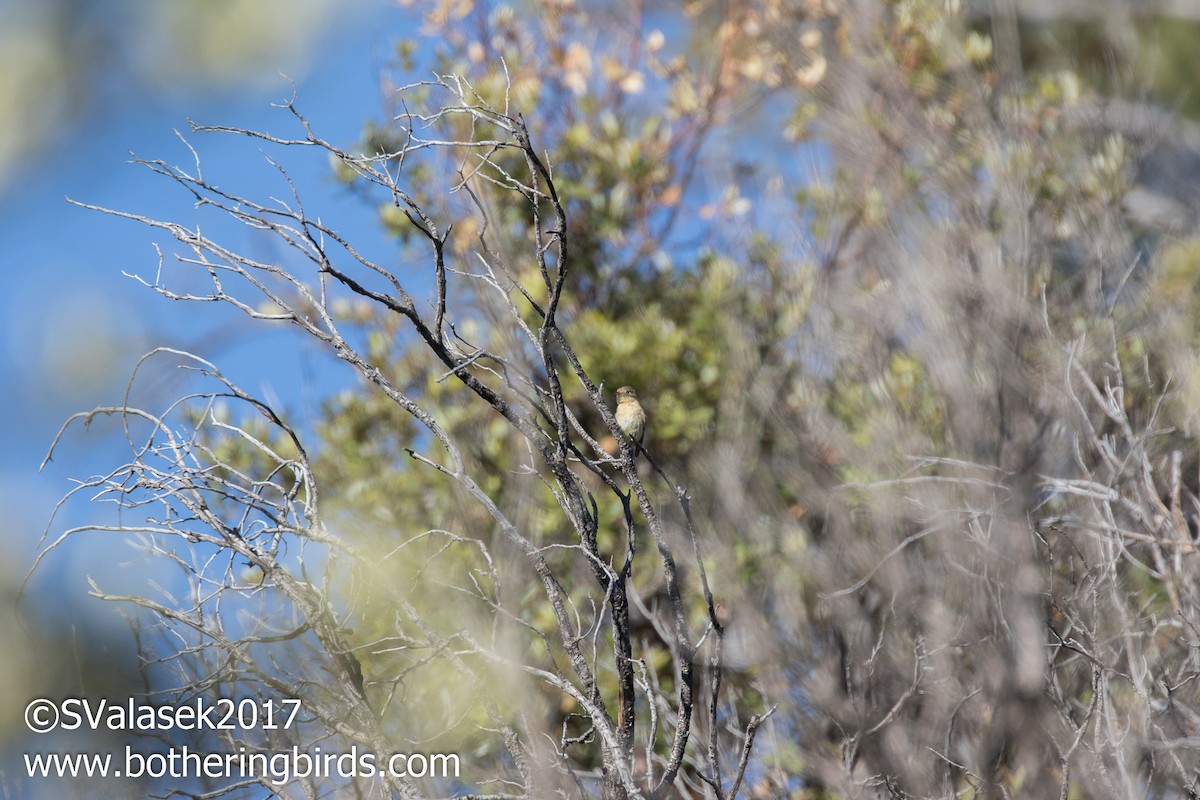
(74, 326)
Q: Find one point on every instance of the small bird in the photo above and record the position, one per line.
(631, 417)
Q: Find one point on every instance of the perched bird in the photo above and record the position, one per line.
(631, 417)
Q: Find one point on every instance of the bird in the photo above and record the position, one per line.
(631, 417)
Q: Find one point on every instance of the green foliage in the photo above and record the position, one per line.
(916, 319)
